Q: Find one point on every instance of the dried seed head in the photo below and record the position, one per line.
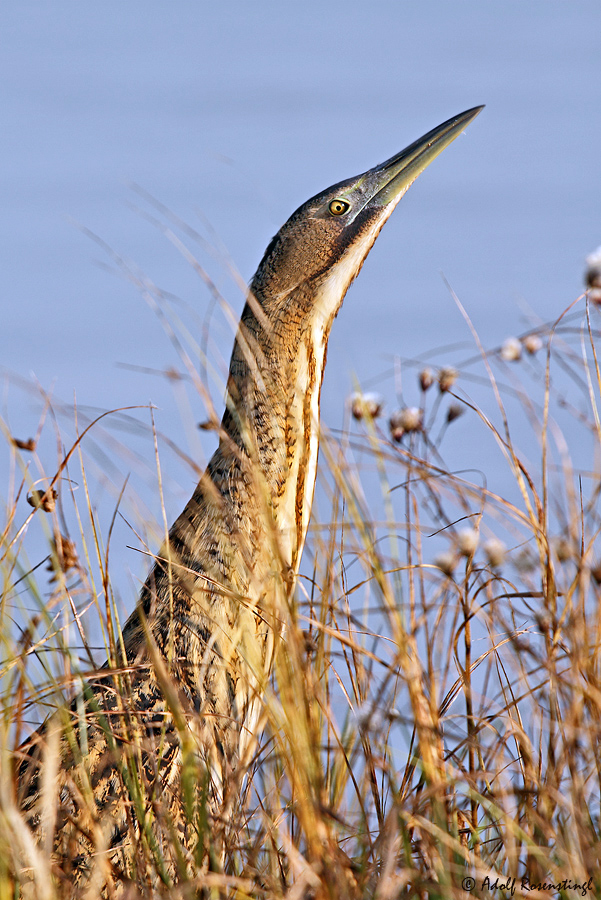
(593, 260)
(45, 500)
(454, 411)
(412, 418)
(447, 377)
(596, 572)
(64, 556)
(408, 419)
(467, 541)
(532, 343)
(525, 561)
(29, 444)
(511, 350)
(310, 642)
(426, 379)
(592, 275)
(594, 295)
(495, 552)
(369, 717)
(366, 406)
(396, 429)
(564, 549)
(543, 620)
(446, 562)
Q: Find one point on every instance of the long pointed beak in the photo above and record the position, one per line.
(392, 178)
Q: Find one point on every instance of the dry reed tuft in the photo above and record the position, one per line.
(433, 722)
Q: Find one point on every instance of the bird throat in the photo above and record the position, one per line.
(296, 422)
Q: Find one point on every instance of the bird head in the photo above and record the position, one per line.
(322, 246)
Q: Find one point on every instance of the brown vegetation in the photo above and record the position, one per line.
(434, 714)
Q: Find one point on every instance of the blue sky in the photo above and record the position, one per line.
(240, 111)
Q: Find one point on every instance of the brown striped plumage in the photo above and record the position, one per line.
(198, 648)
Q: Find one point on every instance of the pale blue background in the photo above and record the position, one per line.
(237, 112)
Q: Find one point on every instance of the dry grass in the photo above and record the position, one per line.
(434, 714)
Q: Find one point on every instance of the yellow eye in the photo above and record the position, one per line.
(339, 207)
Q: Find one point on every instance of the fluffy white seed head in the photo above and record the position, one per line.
(426, 379)
(532, 343)
(592, 276)
(366, 405)
(447, 377)
(467, 541)
(495, 552)
(404, 421)
(511, 349)
(446, 562)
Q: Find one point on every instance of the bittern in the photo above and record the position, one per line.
(197, 650)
